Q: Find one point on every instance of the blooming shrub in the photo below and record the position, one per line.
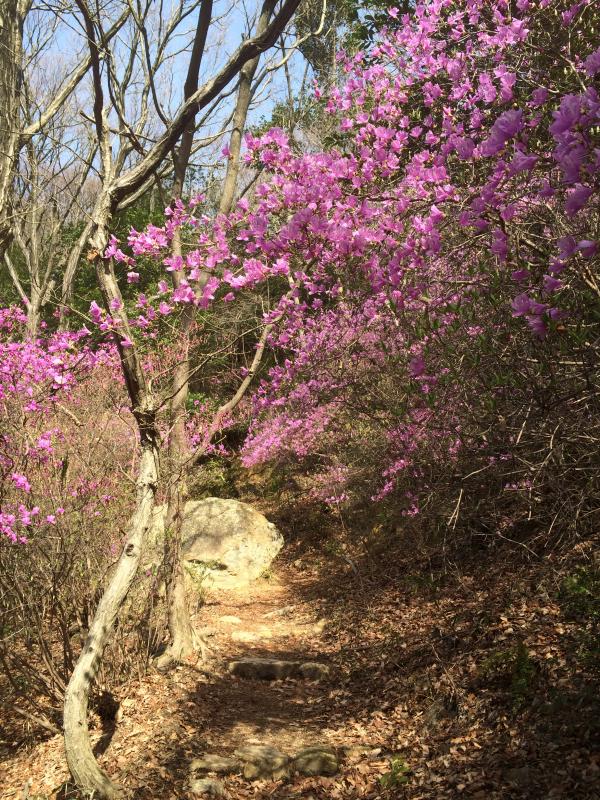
(430, 288)
(435, 268)
(67, 468)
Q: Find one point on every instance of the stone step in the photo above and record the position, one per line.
(301, 630)
(316, 760)
(252, 636)
(271, 669)
(211, 762)
(286, 611)
(265, 762)
(208, 787)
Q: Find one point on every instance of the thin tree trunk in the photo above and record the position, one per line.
(181, 631)
(86, 773)
(69, 271)
(240, 115)
(34, 308)
(12, 17)
(180, 627)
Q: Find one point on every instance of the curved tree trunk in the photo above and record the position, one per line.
(86, 773)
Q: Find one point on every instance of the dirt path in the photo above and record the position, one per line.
(168, 720)
(265, 620)
(410, 651)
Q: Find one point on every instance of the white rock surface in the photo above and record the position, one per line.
(226, 543)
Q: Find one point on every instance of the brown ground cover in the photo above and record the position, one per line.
(470, 674)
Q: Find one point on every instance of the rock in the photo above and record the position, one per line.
(251, 636)
(263, 762)
(304, 629)
(244, 636)
(317, 760)
(279, 612)
(228, 619)
(208, 786)
(313, 671)
(211, 762)
(320, 626)
(226, 543)
(267, 669)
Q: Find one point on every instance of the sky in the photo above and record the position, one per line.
(66, 45)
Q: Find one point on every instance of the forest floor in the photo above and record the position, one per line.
(462, 679)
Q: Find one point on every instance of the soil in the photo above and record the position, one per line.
(466, 680)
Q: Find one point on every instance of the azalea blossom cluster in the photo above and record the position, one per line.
(467, 164)
(39, 380)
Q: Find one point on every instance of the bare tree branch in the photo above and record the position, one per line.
(133, 178)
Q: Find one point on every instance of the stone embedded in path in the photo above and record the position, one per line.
(262, 761)
(252, 636)
(229, 619)
(244, 636)
(209, 787)
(316, 760)
(280, 612)
(265, 669)
(305, 629)
(211, 762)
(313, 671)
(268, 669)
(265, 762)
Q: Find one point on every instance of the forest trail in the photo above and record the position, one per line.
(442, 684)
(168, 720)
(265, 620)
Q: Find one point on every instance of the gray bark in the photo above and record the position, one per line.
(88, 776)
(240, 115)
(86, 772)
(180, 626)
(12, 17)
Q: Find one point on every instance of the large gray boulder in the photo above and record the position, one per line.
(226, 543)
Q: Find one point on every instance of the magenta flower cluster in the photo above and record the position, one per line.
(467, 157)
